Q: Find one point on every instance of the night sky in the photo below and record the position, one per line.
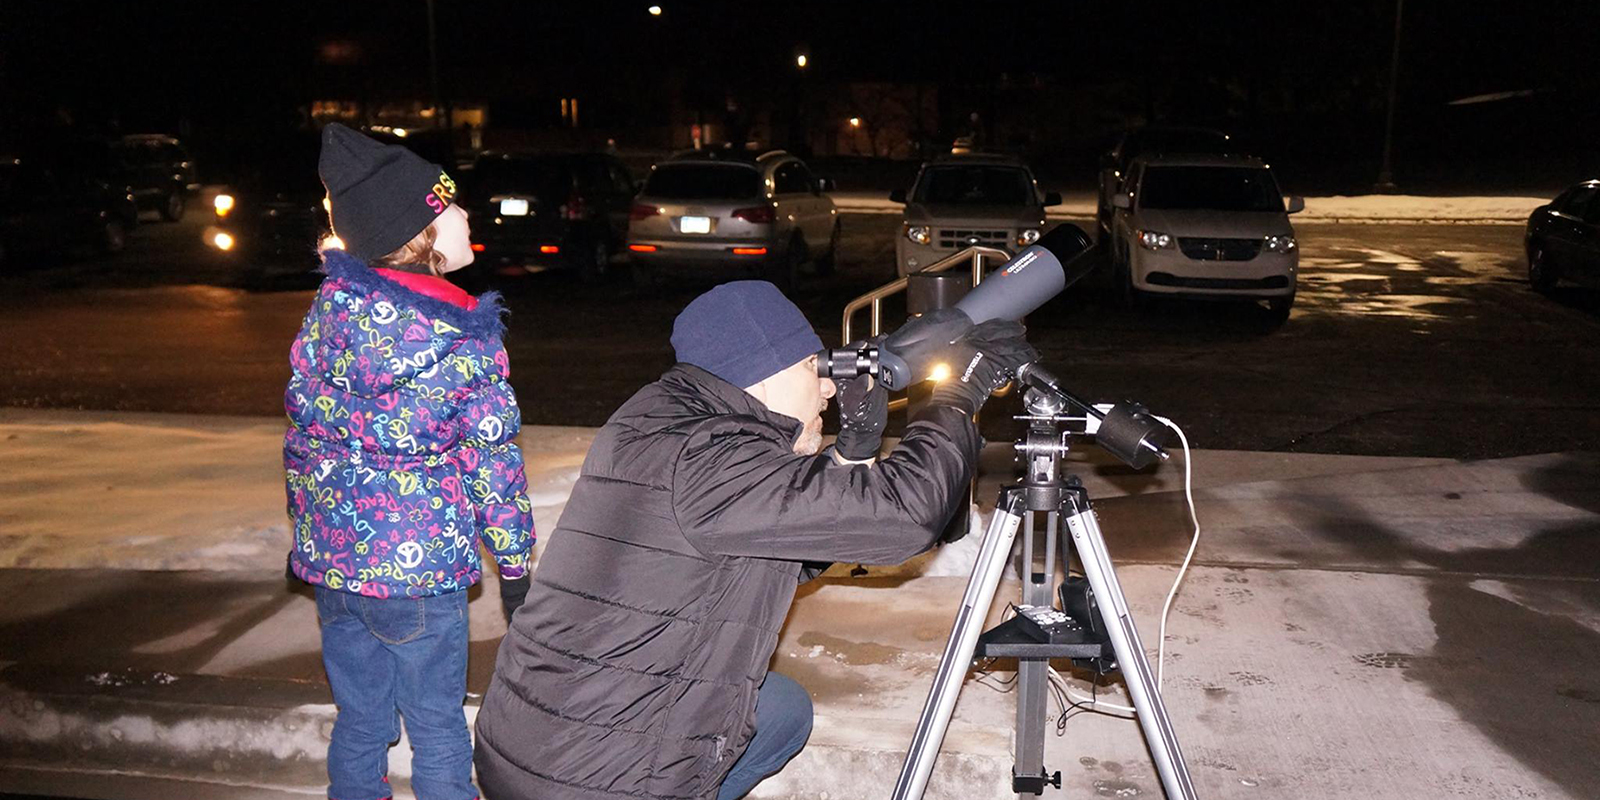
(1281, 72)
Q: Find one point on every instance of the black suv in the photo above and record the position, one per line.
(159, 171)
(565, 210)
(50, 208)
(273, 210)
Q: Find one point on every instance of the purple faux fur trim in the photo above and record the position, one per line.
(484, 322)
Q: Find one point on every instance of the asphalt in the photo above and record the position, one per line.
(1353, 626)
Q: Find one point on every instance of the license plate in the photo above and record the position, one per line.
(513, 207)
(694, 224)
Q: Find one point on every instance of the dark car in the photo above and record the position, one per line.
(564, 210)
(159, 171)
(52, 209)
(1563, 239)
(273, 211)
(1153, 140)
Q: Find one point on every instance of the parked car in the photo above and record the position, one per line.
(51, 209)
(275, 208)
(1213, 227)
(732, 210)
(160, 172)
(1152, 140)
(967, 199)
(1563, 239)
(554, 210)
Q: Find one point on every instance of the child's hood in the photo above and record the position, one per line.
(368, 333)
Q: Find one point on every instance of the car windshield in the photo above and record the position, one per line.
(1214, 188)
(539, 177)
(975, 186)
(283, 165)
(702, 182)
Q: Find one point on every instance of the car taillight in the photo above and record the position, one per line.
(477, 248)
(642, 211)
(760, 215)
(642, 248)
(549, 249)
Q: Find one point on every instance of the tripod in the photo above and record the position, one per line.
(1039, 632)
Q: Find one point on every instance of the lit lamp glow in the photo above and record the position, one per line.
(332, 243)
(655, 11)
(801, 60)
(222, 241)
(223, 203)
(855, 122)
(940, 372)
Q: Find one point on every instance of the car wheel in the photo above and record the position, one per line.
(172, 207)
(1542, 274)
(1278, 311)
(597, 263)
(1122, 280)
(829, 260)
(113, 236)
(783, 270)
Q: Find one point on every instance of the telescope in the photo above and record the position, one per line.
(1018, 287)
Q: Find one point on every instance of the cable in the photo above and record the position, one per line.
(1188, 494)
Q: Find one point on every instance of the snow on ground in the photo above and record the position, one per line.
(1360, 208)
(176, 492)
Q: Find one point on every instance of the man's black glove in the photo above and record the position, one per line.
(863, 414)
(981, 361)
(512, 592)
(925, 339)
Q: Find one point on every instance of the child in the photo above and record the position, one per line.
(399, 460)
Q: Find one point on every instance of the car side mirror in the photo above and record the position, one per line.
(1052, 198)
(1122, 200)
(826, 185)
(897, 196)
(1295, 205)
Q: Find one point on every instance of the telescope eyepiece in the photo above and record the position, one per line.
(842, 363)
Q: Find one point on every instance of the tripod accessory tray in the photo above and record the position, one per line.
(1059, 636)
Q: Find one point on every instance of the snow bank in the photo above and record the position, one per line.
(1360, 208)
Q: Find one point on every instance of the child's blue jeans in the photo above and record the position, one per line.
(392, 658)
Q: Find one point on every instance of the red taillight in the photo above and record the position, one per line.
(759, 215)
(477, 248)
(642, 248)
(749, 251)
(549, 248)
(642, 211)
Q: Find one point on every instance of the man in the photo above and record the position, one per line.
(638, 667)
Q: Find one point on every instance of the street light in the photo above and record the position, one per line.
(655, 11)
(800, 61)
(855, 122)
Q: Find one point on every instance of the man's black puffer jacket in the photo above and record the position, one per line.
(632, 670)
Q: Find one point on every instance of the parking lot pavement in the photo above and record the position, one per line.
(1418, 340)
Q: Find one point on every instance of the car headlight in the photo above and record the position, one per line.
(223, 203)
(1155, 240)
(1280, 244)
(1027, 236)
(919, 234)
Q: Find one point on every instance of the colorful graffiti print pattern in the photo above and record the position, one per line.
(399, 458)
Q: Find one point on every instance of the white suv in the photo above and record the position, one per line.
(1205, 226)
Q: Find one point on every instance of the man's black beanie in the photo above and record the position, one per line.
(379, 196)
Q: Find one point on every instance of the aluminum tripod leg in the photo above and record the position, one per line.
(941, 702)
(1152, 712)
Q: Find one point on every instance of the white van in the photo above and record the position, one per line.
(1205, 226)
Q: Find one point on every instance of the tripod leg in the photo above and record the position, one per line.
(941, 702)
(1152, 712)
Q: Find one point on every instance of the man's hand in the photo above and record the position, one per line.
(981, 361)
(513, 591)
(863, 414)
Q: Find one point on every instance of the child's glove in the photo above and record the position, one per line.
(513, 591)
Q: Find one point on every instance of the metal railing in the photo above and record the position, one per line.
(875, 298)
